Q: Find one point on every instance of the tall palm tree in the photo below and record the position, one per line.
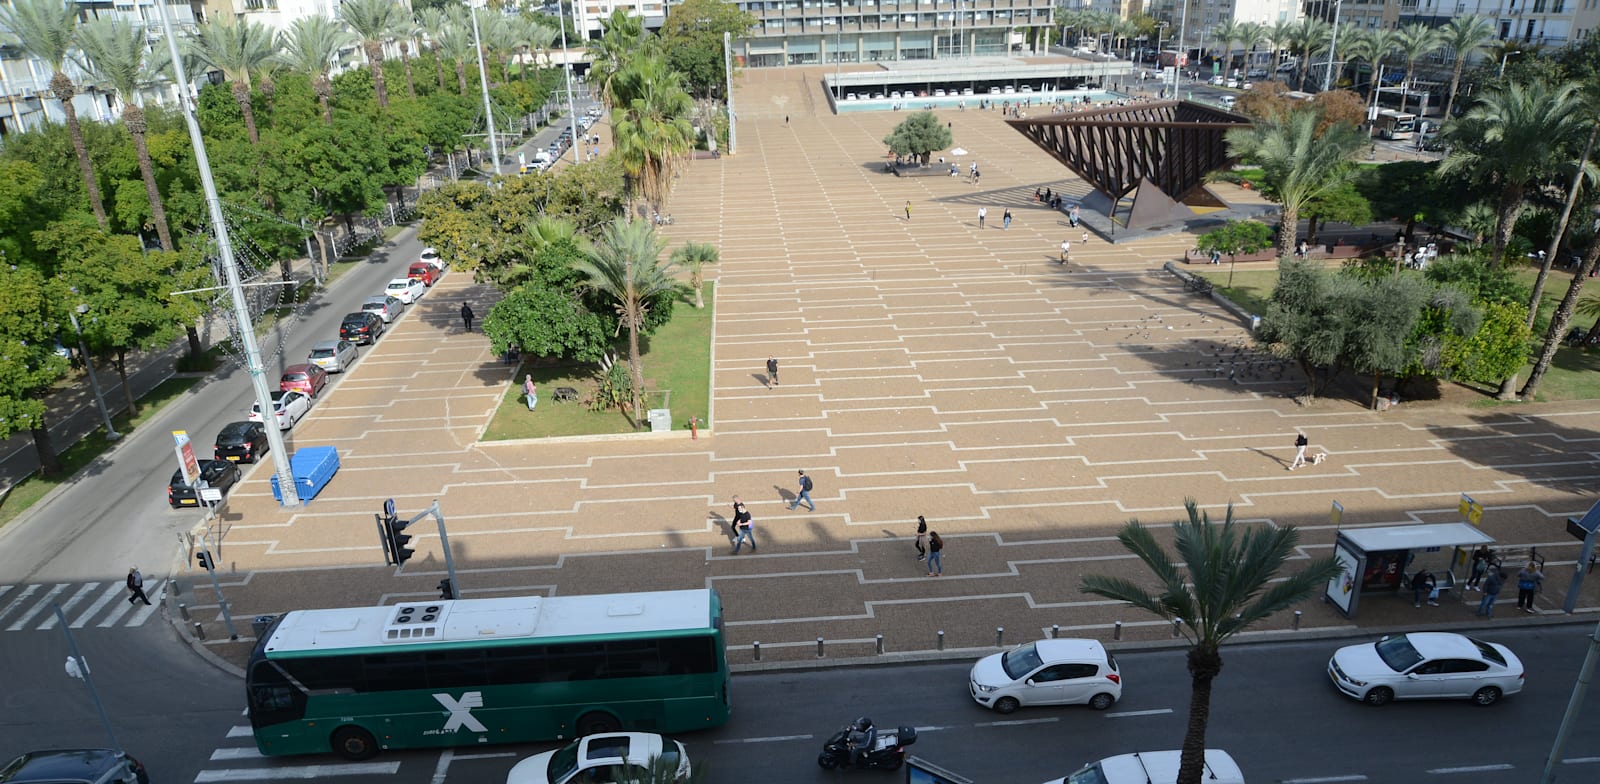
(310, 46)
(622, 38)
(455, 45)
(537, 36)
(1416, 41)
(1223, 35)
(1464, 36)
(375, 21)
(432, 22)
(1582, 169)
(46, 29)
(625, 266)
(114, 55)
(1562, 317)
(1250, 36)
(1281, 35)
(502, 39)
(1310, 37)
(1297, 163)
(650, 124)
(1228, 582)
(693, 256)
(239, 50)
(1371, 46)
(407, 32)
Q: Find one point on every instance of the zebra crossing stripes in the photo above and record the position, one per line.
(30, 607)
(245, 763)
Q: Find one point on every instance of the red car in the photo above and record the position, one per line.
(424, 272)
(309, 379)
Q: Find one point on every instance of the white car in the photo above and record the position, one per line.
(407, 290)
(1146, 766)
(287, 407)
(1426, 665)
(1047, 672)
(431, 255)
(611, 756)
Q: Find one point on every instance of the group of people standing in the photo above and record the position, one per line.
(1488, 576)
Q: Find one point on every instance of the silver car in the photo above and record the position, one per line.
(388, 308)
(334, 356)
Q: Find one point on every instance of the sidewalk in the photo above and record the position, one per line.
(1027, 408)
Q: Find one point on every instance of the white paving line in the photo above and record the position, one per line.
(772, 739)
(1471, 769)
(38, 607)
(298, 772)
(1125, 714)
(1015, 722)
(240, 732)
(236, 753)
(145, 611)
(485, 756)
(1325, 779)
(111, 593)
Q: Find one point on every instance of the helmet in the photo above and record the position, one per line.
(862, 723)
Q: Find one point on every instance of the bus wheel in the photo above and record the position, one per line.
(354, 743)
(596, 722)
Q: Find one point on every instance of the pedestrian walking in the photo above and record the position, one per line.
(983, 214)
(1491, 591)
(804, 494)
(1086, 237)
(772, 371)
(466, 315)
(1423, 583)
(530, 391)
(136, 586)
(922, 538)
(744, 527)
(935, 554)
(1066, 250)
(1300, 444)
(908, 210)
(1480, 564)
(786, 119)
(1006, 218)
(1529, 581)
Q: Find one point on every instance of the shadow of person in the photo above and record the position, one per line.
(762, 377)
(723, 524)
(784, 494)
(1280, 460)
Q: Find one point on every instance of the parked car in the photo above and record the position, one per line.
(361, 328)
(1216, 81)
(241, 442)
(1426, 665)
(1147, 766)
(423, 271)
(388, 308)
(288, 406)
(849, 96)
(1256, 73)
(220, 474)
(74, 766)
(1047, 672)
(307, 378)
(334, 356)
(431, 254)
(610, 756)
(1228, 101)
(407, 290)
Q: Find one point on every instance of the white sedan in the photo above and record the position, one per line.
(611, 756)
(407, 290)
(1426, 665)
(288, 407)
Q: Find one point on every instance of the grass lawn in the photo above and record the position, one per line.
(677, 372)
(28, 492)
(1251, 288)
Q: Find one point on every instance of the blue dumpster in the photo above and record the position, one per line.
(312, 468)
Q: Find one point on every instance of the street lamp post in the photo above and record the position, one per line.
(483, 84)
(1508, 56)
(566, 67)
(94, 382)
(1333, 47)
(1183, 48)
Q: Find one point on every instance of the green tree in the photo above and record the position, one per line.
(1310, 37)
(30, 319)
(1236, 237)
(1416, 40)
(692, 40)
(1464, 36)
(921, 135)
(310, 46)
(1497, 349)
(1562, 318)
(433, 23)
(46, 30)
(1251, 35)
(1228, 582)
(1297, 163)
(240, 50)
(625, 267)
(1343, 204)
(693, 256)
(375, 22)
(650, 125)
(622, 37)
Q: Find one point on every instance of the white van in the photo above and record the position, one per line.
(1153, 767)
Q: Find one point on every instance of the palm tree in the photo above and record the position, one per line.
(45, 29)
(622, 38)
(537, 37)
(1371, 46)
(625, 266)
(1281, 35)
(1227, 583)
(1415, 40)
(115, 56)
(1562, 317)
(651, 125)
(455, 45)
(310, 46)
(1298, 165)
(502, 39)
(239, 50)
(1224, 34)
(1464, 36)
(375, 21)
(408, 32)
(1582, 169)
(431, 22)
(1250, 36)
(1310, 37)
(693, 256)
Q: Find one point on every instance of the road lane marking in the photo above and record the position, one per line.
(1126, 714)
(1580, 760)
(38, 607)
(1325, 779)
(112, 591)
(1472, 769)
(484, 756)
(146, 611)
(240, 732)
(442, 767)
(50, 623)
(772, 739)
(236, 753)
(116, 615)
(300, 772)
(1016, 722)
(18, 599)
(931, 729)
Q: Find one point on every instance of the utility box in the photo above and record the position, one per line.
(660, 420)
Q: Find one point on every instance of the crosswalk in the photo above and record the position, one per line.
(238, 760)
(85, 605)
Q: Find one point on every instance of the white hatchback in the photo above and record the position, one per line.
(1047, 672)
(407, 290)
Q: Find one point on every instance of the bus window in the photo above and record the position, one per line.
(455, 669)
(689, 655)
(395, 672)
(273, 699)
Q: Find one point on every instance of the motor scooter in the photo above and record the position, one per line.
(862, 746)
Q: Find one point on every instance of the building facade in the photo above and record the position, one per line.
(589, 13)
(805, 32)
(1534, 22)
(1204, 16)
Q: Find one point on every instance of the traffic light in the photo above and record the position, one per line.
(204, 559)
(397, 541)
(446, 589)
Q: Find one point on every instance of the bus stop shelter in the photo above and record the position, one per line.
(1377, 560)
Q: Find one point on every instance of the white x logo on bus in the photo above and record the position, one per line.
(461, 711)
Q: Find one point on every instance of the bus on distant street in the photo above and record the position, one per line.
(467, 672)
(1395, 125)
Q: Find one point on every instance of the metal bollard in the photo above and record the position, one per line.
(1297, 620)
(880, 645)
(757, 646)
(941, 639)
(1175, 624)
(1055, 630)
(183, 611)
(199, 631)
(1116, 631)
(999, 636)
(819, 647)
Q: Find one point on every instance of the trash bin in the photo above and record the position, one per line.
(660, 420)
(261, 624)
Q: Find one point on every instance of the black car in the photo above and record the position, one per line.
(215, 473)
(362, 328)
(74, 766)
(242, 442)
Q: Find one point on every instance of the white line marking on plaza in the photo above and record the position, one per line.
(1472, 769)
(302, 772)
(1126, 714)
(772, 739)
(1016, 722)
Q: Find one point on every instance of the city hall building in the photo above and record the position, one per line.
(814, 32)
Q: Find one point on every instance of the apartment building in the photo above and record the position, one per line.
(803, 32)
(1198, 31)
(1542, 22)
(589, 13)
(276, 14)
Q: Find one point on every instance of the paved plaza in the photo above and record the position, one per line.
(928, 367)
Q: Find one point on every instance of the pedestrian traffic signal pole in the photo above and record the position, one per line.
(78, 667)
(209, 563)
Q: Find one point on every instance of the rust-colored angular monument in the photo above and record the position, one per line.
(1162, 150)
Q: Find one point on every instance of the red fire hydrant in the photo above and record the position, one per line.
(694, 428)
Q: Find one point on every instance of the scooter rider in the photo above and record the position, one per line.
(861, 738)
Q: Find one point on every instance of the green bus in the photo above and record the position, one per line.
(466, 672)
